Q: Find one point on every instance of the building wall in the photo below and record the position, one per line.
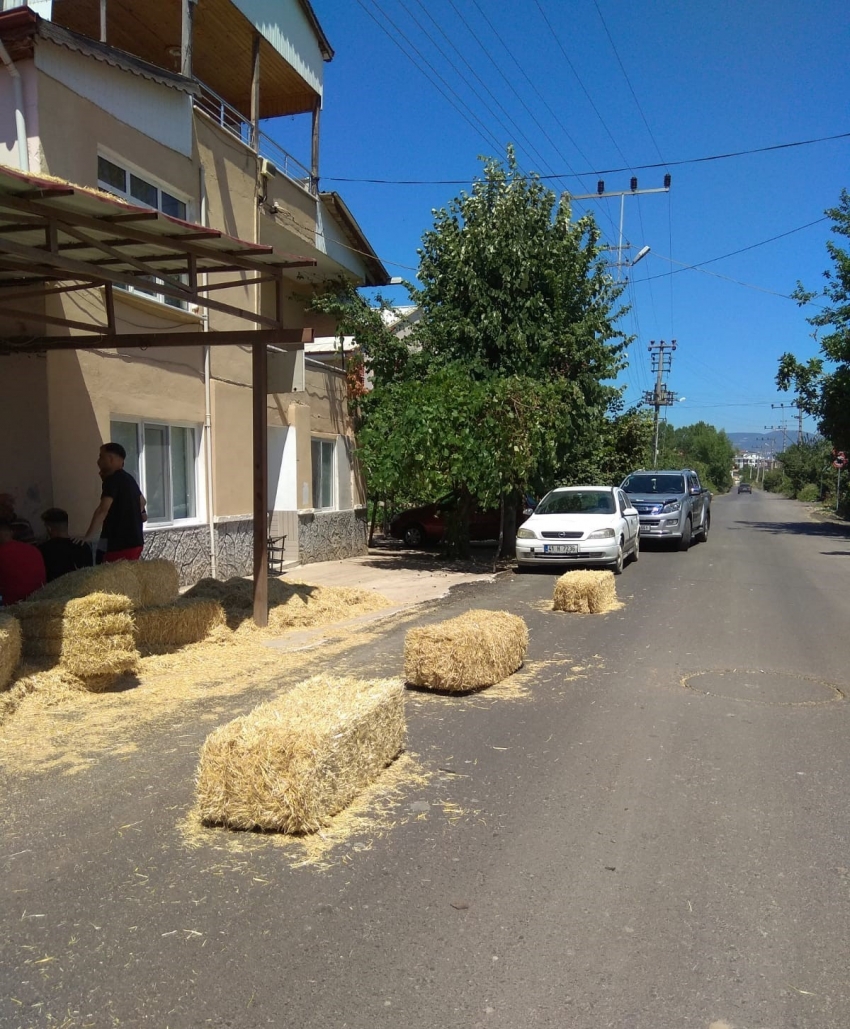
(25, 466)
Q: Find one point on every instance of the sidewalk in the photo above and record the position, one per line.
(405, 577)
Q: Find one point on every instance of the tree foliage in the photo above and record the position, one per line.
(506, 385)
(825, 393)
(702, 447)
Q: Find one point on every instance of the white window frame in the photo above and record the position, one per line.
(333, 474)
(161, 187)
(199, 484)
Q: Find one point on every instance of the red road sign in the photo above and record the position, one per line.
(840, 460)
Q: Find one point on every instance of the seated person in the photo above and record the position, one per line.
(21, 528)
(21, 566)
(61, 554)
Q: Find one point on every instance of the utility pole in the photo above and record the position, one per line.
(783, 428)
(793, 407)
(662, 359)
(601, 194)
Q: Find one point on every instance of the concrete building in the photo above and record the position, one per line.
(160, 104)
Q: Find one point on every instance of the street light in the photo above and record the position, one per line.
(639, 256)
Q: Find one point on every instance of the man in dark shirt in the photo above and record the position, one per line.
(21, 566)
(120, 515)
(61, 554)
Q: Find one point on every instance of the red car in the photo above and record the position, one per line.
(421, 525)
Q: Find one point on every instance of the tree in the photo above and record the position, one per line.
(827, 392)
(702, 447)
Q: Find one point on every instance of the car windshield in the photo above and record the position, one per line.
(576, 502)
(646, 482)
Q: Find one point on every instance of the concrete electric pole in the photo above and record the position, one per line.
(661, 354)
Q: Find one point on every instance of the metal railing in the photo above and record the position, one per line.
(228, 118)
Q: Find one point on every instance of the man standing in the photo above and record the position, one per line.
(21, 566)
(61, 554)
(119, 516)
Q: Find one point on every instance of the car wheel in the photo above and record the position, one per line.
(636, 549)
(685, 541)
(703, 533)
(621, 560)
(414, 536)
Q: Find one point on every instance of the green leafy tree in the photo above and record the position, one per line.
(506, 385)
(805, 464)
(702, 447)
(829, 390)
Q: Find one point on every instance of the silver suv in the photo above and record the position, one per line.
(673, 505)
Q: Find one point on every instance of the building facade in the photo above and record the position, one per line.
(164, 105)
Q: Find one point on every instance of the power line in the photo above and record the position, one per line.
(604, 171)
(481, 128)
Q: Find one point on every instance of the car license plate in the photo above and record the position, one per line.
(560, 548)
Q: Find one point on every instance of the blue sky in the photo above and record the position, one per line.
(582, 86)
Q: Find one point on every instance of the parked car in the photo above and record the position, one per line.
(673, 505)
(427, 524)
(744, 487)
(582, 525)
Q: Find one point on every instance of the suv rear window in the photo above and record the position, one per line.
(646, 482)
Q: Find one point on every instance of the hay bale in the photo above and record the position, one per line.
(159, 582)
(10, 648)
(478, 648)
(92, 636)
(188, 621)
(586, 592)
(116, 577)
(295, 762)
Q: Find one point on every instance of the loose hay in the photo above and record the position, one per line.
(159, 582)
(476, 649)
(10, 648)
(585, 592)
(190, 620)
(292, 605)
(93, 636)
(295, 762)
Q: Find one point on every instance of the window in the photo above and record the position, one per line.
(163, 459)
(113, 178)
(323, 472)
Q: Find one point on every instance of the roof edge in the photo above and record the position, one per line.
(377, 274)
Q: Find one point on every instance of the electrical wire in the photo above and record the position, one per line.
(606, 171)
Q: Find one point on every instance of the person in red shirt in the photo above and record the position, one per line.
(21, 566)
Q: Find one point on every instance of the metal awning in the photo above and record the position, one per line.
(58, 238)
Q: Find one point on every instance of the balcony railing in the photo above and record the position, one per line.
(234, 122)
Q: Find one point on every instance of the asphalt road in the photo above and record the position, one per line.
(654, 837)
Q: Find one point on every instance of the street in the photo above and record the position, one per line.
(650, 831)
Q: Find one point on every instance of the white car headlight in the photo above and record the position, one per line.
(671, 506)
(526, 534)
(602, 534)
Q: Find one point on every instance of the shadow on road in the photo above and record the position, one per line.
(828, 529)
(388, 553)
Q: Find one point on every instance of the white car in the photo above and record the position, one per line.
(582, 525)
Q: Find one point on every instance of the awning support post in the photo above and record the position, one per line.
(261, 484)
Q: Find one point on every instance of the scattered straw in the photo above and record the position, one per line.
(476, 649)
(292, 605)
(52, 685)
(373, 814)
(585, 592)
(294, 762)
(190, 620)
(10, 648)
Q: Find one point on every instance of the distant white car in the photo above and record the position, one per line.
(582, 525)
